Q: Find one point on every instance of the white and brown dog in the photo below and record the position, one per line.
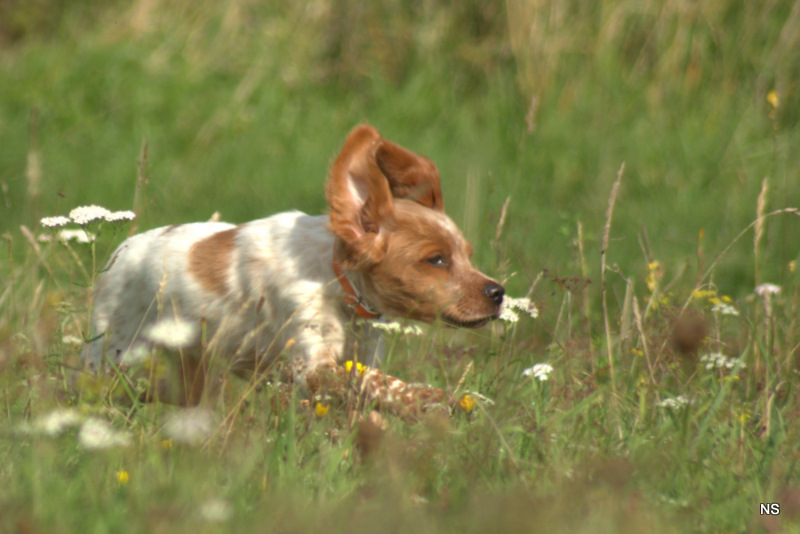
(305, 285)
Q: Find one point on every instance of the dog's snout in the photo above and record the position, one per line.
(494, 292)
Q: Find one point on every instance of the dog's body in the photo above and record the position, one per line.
(297, 283)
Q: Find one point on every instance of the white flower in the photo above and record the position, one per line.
(190, 426)
(396, 328)
(80, 236)
(57, 421)
(764, 290)
(540, 371)
(724, 309)
(115, 216)
(84, 215)
(55, 222)
(96, 434)
(72, 340)
(717, 360)
(508, 315)
(510, 304)
(674, 404)
(216, 510)
(173, 333)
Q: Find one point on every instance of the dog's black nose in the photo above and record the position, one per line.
(494, 292)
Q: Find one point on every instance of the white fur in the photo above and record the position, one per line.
(286, 258)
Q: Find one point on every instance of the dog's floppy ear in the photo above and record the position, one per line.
(410, 175)
(362, 211)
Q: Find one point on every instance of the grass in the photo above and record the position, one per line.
(241, 107)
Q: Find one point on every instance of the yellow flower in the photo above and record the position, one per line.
(700, 294)
(654, 274)
(637, 352)
(321, 409)
(772, 98)
(123, 477)
(467, 403)
(167, 444)
(348, 366)
(743, 416)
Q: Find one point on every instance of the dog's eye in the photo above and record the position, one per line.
(436, 261)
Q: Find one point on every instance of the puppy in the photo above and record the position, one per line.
(308, 286)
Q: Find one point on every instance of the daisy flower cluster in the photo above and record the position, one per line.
(82, 216)
(675, 403)
(93, 433)
(717, 360)
(394, 327)
(79, 236)
(766, 290)
(512, 306)
(540, 371)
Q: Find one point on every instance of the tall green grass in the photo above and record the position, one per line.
(242, 105)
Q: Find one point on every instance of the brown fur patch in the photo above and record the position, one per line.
(210, 258)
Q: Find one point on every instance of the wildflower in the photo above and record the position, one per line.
(418, 499)
(123, 477)
(116, 216)
(654, 273)
(84, 215)
(540, 371)
(72, 340)
(216, 510)
(717, 360)
(724, 309)
(743, 415)
(55, 222)
(96, 434)
(360, 368)
(675, 404)
(190, 426)
(512, 305)
(396, 328)
(467, 403)
(167, 444)
(57, 421)
(321, 409)
(765, 290)
(774, 101)
(80, 236)
(508, 315)
(172, 333)
(704, 294)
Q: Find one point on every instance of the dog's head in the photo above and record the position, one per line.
(409, 258)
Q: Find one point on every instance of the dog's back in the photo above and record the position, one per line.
(253, 280)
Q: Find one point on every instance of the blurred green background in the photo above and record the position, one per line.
(242, 104)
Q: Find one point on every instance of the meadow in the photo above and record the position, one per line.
(633, 168)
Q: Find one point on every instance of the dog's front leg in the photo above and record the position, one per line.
(388, 393)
